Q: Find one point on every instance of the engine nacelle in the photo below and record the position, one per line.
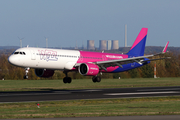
(88, 69)
(44, 72)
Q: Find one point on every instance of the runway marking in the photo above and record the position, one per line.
(159, 89)
(140, 93)
(93, 90)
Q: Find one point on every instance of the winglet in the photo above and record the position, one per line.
(165, 48)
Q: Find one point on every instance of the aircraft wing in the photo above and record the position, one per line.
(119, 62)
(140, 60)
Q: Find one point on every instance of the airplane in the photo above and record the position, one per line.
(45, 61)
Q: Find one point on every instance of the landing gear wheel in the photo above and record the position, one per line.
(96, 79)
(67, 80)
(64, 80)
(25, 77)
(26, 72)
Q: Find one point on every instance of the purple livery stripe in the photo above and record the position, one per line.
(140, 37)
(138, 47)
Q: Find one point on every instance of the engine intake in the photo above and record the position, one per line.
(88, 69)
(44, 73)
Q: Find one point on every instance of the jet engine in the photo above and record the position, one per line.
(88, 69)
(44, 72)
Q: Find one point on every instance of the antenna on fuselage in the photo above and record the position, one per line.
(20, 39)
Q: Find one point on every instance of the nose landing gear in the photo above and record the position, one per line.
(26, 72)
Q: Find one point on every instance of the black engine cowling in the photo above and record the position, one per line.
(44, 72)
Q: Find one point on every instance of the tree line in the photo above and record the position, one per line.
(164, 68)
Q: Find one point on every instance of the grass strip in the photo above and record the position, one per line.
(34, 85)
(92, 108)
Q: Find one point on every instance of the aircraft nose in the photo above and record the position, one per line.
(13, 60)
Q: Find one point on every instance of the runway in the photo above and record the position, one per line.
(52, 95)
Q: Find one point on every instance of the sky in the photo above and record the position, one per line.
(70, 23)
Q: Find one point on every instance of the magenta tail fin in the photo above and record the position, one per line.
(138, 47)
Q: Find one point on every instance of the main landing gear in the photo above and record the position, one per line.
(96, 79)
(67, 79)
(26, 72)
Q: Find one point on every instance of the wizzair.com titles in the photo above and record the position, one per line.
(113, 56)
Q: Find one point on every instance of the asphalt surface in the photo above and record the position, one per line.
(51, 95)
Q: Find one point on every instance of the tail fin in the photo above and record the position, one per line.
(138, 46)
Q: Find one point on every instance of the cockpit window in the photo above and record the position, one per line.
(16, 52)
(21, 53)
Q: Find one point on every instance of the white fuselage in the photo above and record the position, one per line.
(56, 59)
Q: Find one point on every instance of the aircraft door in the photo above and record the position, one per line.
(33, 55)
(80, 58)
(104, 58)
